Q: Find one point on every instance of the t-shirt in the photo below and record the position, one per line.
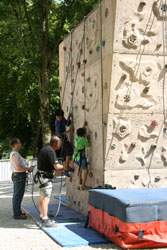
(19, 159)
(60, 126)
(46, 159)
(80, 143)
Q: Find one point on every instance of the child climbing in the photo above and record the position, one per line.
(66, 150)
(81, 142)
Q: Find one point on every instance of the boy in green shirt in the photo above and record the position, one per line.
(79, 155)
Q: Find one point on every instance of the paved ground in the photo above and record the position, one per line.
(24, 234)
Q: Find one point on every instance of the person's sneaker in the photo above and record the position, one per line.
(20, 217)
(48, 223)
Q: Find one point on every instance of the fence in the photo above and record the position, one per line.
(5, 171)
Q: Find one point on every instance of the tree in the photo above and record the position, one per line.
(33, 30)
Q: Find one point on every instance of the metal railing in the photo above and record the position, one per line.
(5, 171)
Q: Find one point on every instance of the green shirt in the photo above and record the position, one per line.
(80, 143)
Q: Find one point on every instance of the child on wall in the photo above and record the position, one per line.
(81, 142)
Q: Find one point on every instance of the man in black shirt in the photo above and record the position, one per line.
(47, 162)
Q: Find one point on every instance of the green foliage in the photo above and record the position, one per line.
(28, 51)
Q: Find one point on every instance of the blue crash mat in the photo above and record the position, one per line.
(65, 214)
(131, 205)
(74, 234)
(62, 198)
(69, 230)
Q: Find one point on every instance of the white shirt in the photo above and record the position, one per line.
(19, 159)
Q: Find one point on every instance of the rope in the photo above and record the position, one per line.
(164, 34)
(84, 76)
(102, 110)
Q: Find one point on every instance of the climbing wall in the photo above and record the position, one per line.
(112, 75)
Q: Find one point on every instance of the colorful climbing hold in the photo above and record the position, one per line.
(72, 68)
(84, 61)
(103, 43)
(133, 144)
(79, 65)
(83, 106)
(88, 79)
(154, 123)
(90, 52)
(64, 48)
(97, 48)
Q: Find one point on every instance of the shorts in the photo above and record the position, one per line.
(67, 149)
(47, 190)
(84, 163)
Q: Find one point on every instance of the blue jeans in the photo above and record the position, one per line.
(19, 181)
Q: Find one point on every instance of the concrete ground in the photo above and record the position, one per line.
(24, 234)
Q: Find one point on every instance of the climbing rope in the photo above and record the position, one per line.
(101, 60)
(84, 75)
(164, 36)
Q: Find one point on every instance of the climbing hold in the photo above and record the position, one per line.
(91, 174)
(83, 74)
(97, 48)
(145, 90)
(83, 106)
(165, 66)
(79, 65)
(90, 52)
(154, 123)
(88, 79)
(127, 98)
(85, 123)
(95, 135)
(157, 179)
(95, 83)
(87, 109)
(153, 146)
(113, 146)
(72, 80)
(81, 51)
(103, 43)
(90, 95)
(106, 12)
(164, 8)
(133, 144)
(123, 77)
(72, 68)
(164, 131)
(105, 85)
(122, 129)
(104, 123)
(64, 48)
(136, 177)
(84, 61)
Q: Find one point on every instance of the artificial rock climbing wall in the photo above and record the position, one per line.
(112, 75)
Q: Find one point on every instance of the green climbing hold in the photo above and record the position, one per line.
(88, 79)
(97, 48)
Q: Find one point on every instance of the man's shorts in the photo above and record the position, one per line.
(67, 148)
(47, 190)
(84, 163)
